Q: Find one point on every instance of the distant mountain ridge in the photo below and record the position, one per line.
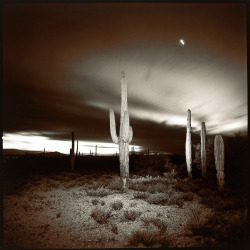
(14, 152)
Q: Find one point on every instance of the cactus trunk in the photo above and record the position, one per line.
(72, 153)
(189, 145)
(125, 136)
(219, 161)
(203, 150)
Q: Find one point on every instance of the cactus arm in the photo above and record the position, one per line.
(130, 134)
(113, 126)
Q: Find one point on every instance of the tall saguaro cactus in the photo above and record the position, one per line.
(203, 150)
(125, 136)
(189, 145)
(72, 152)
(219, 161)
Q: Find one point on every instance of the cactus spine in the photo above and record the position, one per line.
(219, 161)
(72, 153)
(125, 136)
(203, 150)
(189, 145)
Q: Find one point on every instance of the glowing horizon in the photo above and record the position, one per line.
(35, 142)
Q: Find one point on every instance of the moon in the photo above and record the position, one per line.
(182, 42)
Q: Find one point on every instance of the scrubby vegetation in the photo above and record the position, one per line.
(158, 184)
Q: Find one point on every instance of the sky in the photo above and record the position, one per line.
(62, 65)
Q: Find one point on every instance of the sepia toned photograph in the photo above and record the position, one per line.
(125, 125)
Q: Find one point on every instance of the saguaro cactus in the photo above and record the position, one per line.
(125, 136)
(219, 161)
(203, 150)
(72, 152)
(189, 145)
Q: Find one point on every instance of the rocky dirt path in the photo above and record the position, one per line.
(46, 214)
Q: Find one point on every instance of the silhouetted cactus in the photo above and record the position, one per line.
(125, 136)
(219, 161)
(203, 150)
(189, 145)
(72, 153)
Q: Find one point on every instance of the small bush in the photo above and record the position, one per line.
(131, 214)
(141, 195)
(100, 215)
(101, 192)
(161, 225)
(156, 188)
(114, 228)
(182, 187)
(95, 201)
(96, 185)
(144, 237)
(158, 199)
(175, 199)
(115, 184)
(102, 203)
(117, 205)
(137, 186)
(188, 196)
(229, 229)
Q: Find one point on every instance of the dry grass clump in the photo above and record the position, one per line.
(158, 223)
(115, 184)
(175, 199)
(117, 205)
(147, 238)
(114, 228)
(158, 198)
(189, 196)
(100, 215)
(228, 229)
(100, 192)
(182, 187)
(95, 201)
(131, 214)
(156, 188)
(141, 195)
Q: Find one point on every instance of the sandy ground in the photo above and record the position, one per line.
(54, 213)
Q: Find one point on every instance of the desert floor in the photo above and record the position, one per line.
(74, 210)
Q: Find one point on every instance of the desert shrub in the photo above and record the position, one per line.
(101, 192)
(95, 201)
(158, 198)
(115, 184)
(138, 186)
(175, 199)
(148, 164)
(157, 188)
(102, 203)
(182, 187)
(189, 196)
(141, 195)
(147, 238)
(117, 205)
(165, 241)
(194, 222)
(161, 225)
(114, 228)
(96, 185)
(131, 214)
(100, 215)
(229, 229)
